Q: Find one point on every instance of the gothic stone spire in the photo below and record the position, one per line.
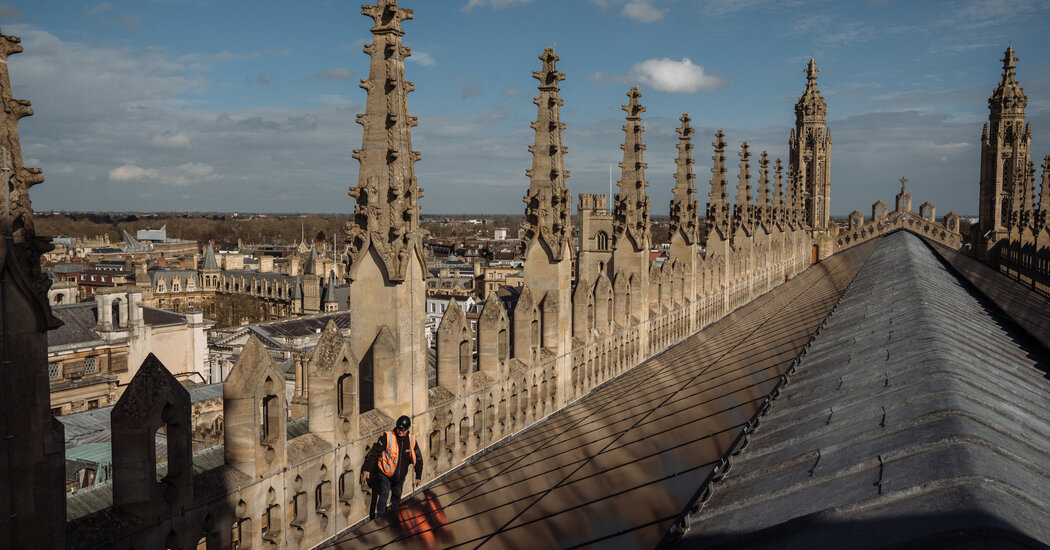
(1043, 217)
(683, 203)
(743, 213)
(632, 203)
(718, 202)
(386, 216)
(25, 246)
(778, 192)
(548, 208)
(765, 203)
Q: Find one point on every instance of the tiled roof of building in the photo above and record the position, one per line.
(156, 317)
(616, 468)
(916, 417)
(302, 326)
(78, 324)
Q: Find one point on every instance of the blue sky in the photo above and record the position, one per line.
(249, 105)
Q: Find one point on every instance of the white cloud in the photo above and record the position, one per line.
(643, 11)
(171, 139)
(423, 58)
(668, 75)
(130, 172)
(495, 4)
(184, 174)
(334, 73)
(100, 8)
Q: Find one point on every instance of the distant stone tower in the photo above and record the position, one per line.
(32, 462)
(810, 147)
(596, 229)
(210, 272)
(1005, 157)
(547, 243)
(386, 267)
(631, 228)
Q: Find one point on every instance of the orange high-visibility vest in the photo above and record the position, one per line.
(388, 460)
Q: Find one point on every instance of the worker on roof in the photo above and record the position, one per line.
(387, 463)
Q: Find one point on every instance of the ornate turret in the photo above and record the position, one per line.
(548, 208)
(743, 212)
(1005, 157)
(718, 201)
(547, 245)
(683, 205)
(385, 241)
(810, 146)
(632, 203)
(386, 216)
(764, 203)
(32, 440)
(778, 193)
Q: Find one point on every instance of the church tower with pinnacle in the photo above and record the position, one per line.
(1005, 157)
(386, 266)
(810, 154)
(33, 508)
(547, 243)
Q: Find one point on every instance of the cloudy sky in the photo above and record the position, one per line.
(247, 105)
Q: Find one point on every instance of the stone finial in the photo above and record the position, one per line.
(548, 203)
(386, 213)
(718, 205)
(904, 183)
(683, 203)
(387, 16)
(811, 105)
(549, 75)
(631, 205)
(634, 109)
(1009, 96)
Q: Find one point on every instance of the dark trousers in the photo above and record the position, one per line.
(382, 488)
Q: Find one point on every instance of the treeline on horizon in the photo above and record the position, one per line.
(220, 227)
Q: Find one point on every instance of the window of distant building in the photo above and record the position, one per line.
(602, 241)
(54, 371)
(91, 364)
(175, 285)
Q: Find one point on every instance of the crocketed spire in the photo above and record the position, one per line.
(386, 216)
(631, 216)
(548, 207)
(683, 204)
